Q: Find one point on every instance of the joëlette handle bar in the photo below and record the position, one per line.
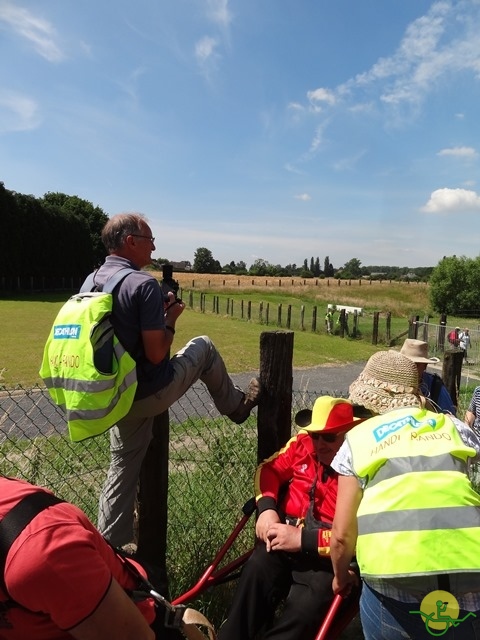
(211, 576)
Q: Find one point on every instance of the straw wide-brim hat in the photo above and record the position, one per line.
(417, 350)
(329, 415)
(388, 381)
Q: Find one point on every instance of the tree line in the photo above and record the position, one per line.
(60, 235)
(44, 236)
(204, 262)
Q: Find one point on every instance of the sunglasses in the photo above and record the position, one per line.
(326, 437)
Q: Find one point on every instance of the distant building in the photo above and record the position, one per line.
(409, 276)
(183, 265)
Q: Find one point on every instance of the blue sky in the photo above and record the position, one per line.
(272, 129)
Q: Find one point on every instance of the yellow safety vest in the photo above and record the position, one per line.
(87, 371)
(419, 513)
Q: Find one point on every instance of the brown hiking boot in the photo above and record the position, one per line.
(250, 400)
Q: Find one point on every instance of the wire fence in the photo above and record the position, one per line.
(211, 466)
(436, 335)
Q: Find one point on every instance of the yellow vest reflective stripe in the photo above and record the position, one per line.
(86, 370)
(419, 513)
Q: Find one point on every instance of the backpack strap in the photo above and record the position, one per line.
(435, 389)
(17, 519)
(110, 284)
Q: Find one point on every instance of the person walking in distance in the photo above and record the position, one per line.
(329, 320)
(464, 344)
(144, 321)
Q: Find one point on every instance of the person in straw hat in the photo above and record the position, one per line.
(408, 510)
(431, 384)
(295, 492)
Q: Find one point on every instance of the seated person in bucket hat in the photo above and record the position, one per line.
(431, 384)
(295, 491)
(407, 508)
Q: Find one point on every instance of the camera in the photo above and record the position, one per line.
(168, 283)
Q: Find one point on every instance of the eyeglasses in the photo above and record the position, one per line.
(327, 437)
(137, 235)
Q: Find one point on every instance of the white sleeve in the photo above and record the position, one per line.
(468, 436)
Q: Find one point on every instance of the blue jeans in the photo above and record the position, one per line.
(387, 619)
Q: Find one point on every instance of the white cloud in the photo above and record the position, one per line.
(452, 201)
(206, 55)
(293, 169)
(303, 196)
(17, 112)
(219, 12)
(319, 97)
(349, 163)
(430, 52)
(459, 152)
(37, 31)
(205, 48)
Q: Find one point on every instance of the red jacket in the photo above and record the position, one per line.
(296, 468)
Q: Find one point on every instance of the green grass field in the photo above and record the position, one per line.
(26, 321)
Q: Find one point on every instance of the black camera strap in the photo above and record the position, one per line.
(17, 519)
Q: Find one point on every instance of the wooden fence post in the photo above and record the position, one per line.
(376, 316)
(413, 326)
(355, 324)
(388, 327)
(452, 372)
(314, 319)
(426, 320)
(276, 379)
(441, 333)
(152, 499)
(289, 316)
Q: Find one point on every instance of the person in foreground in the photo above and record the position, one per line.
(407, 508)
(144, 322)
(60, 579)
(431, 384)
(472, 414)
(295, 492)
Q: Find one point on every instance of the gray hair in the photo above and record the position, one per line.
(119, 227)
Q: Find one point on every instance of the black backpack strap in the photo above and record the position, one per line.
(111, 283)
(17, 519)
(435, 389)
